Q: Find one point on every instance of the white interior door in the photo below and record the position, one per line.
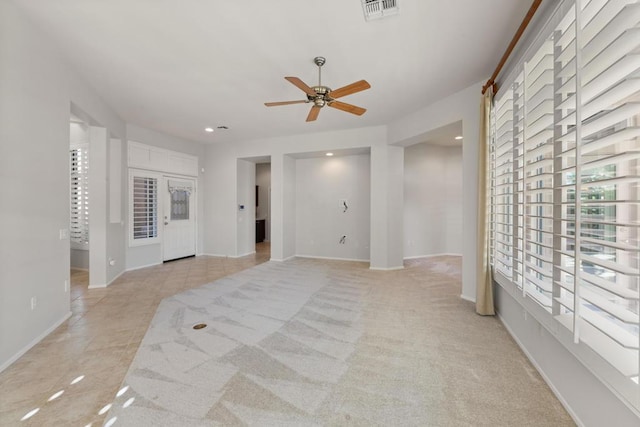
(179, 237)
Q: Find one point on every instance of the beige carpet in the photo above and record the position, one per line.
(309, 342)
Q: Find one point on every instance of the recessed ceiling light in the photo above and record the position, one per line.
(329, 154)
(208, 130)
(458, 137)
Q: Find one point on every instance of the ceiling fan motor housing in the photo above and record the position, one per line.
(321, 97)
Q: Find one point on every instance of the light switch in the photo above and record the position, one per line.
(64, 233)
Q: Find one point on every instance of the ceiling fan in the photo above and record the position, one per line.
(323, 95)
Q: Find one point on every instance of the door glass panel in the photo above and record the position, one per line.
(179, 205)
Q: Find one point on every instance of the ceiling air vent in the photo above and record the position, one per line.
(376, 9)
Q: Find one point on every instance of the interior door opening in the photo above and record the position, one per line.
(79, 194)
(263, 208)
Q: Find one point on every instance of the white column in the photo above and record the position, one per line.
(387, 205)
(289, 207)
(245, 232)
(277, 248)
(98, 207)
(470, 131)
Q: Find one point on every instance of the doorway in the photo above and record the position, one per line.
(179, 232)
(263, 208)
(79, 193)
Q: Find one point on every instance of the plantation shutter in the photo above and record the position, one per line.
(79, 171)
(609, 184)
(538, 174)
(145, 207)
(503, 184)
(573, 136)
(565, 153)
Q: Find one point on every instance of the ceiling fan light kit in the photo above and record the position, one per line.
(323, 95)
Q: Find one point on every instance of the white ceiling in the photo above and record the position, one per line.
(445, 135)
(178, 66)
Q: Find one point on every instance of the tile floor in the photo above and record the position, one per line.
(99, 341)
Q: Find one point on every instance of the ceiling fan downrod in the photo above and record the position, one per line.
(319, 61)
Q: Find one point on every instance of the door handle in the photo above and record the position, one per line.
(166, 223)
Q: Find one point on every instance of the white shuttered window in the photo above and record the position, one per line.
(144, 208)
(572, 243)
(79, 170)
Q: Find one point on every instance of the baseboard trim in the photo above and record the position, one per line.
(240, 256)
(386, 268)
(432, 255)
(546, 379)
(284, 259)
(332, 258)
(215, 255)
(143, 266)
(116, 278)
(466, 298)
(39, 338)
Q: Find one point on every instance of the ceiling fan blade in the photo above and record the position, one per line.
(301, 85)
(313, 113)
(349, 89)
(275, 104)
(358, 111)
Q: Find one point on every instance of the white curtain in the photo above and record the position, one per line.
(484, 289)
(180, 186)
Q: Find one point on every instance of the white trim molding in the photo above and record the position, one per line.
(39, 338)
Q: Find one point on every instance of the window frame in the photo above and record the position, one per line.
(157, 239)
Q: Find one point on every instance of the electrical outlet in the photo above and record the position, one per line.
(34, 302)
(66, 285)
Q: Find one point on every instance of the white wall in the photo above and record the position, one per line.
(142, 256)
(589, 400)
(246, 218)
(263, 181)
(432, 200)
(320, 219)
(79, 259)
(220, 201)
(37, 88)
(288, 207)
